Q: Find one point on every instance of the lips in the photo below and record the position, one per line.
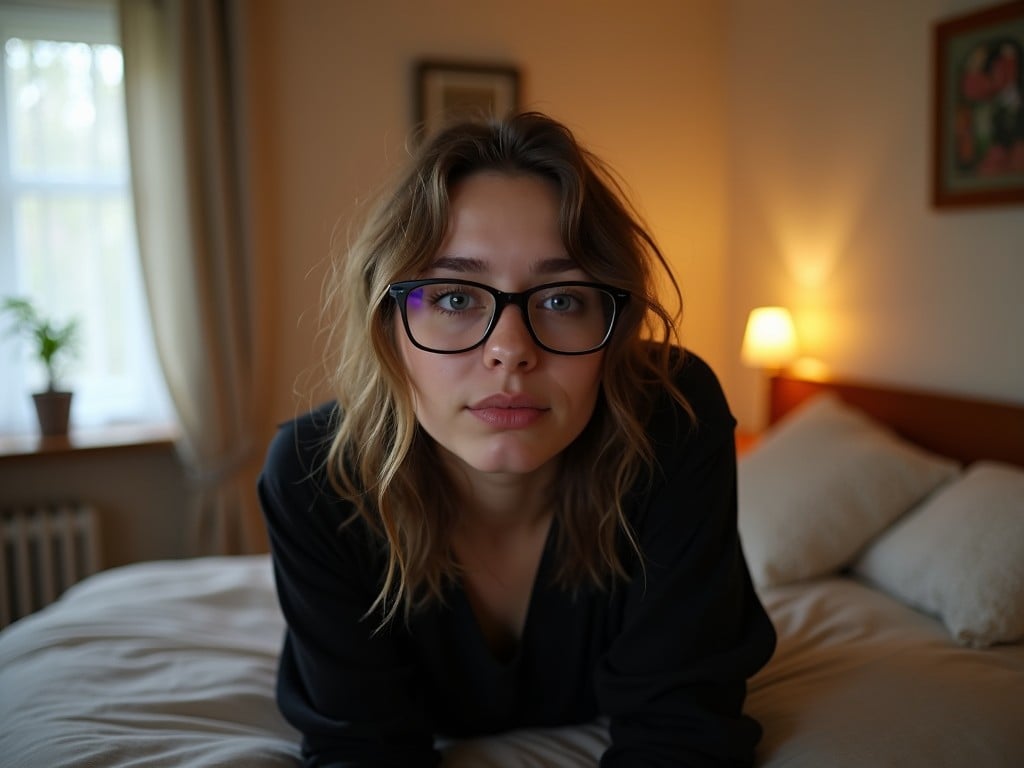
(507, 411)
(507, 401)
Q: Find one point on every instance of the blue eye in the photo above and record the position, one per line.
(560, 303)
(454, 301)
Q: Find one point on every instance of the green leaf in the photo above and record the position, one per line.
(52, 342)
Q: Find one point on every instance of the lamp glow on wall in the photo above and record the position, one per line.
(769, 341)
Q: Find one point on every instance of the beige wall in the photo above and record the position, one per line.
(140, 495)
(642, 83)
(828, 213)
(778, 149)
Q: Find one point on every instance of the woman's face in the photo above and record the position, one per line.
(506, 406)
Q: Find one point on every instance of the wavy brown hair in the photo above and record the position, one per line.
(381, 461)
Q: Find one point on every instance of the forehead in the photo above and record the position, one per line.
(503, 221)
(495, 196)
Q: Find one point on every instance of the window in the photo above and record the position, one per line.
(67, 230)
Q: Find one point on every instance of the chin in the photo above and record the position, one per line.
(506, 465)
(503, 459)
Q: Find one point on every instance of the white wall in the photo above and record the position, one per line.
(641, 83)
(829, 117)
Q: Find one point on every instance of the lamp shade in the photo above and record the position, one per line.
(770, 338)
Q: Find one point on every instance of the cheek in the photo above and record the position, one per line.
(413, 368)
(586, 384)
(407, 354)
(430, 378)
(416, 361)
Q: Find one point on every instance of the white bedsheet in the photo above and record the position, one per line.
(173, 664)
(167, 663)
(860, 680)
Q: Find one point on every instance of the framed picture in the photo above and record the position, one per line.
(445, 90)
(978, 122)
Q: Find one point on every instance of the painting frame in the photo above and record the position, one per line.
(978, 132)
(445, 90)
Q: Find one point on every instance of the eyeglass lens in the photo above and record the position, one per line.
(455, 316)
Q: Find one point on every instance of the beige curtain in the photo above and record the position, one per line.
(183, 105)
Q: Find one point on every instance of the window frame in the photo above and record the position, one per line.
(140, 396)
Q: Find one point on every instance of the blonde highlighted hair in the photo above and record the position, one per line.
(381, 461)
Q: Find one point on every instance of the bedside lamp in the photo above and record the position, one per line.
(769, 341)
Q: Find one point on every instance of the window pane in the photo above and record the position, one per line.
(67, 228)
(65, 106)
(73, 256)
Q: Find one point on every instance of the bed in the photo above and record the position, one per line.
(885, 533)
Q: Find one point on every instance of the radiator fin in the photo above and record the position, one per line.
(43, 551)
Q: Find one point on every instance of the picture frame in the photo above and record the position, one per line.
(978, 103)
(449, 89)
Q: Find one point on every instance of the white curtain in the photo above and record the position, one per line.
(183, 93)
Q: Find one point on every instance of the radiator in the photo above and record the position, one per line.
(43, 551)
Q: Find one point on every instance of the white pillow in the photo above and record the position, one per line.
(821, 484)
(960, 556)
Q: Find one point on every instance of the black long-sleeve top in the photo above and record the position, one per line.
(665, 656)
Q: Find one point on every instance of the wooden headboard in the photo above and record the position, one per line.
(961, 428)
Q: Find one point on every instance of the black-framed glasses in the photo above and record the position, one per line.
(450, 316)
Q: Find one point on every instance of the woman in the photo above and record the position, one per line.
(518, 512)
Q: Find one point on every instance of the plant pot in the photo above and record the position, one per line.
(54, 410)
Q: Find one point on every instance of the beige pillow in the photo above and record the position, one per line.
(960, 556)
(821, 484)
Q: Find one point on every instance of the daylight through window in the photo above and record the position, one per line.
(67, 232)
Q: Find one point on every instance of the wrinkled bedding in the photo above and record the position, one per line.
(859, 679)
(173, 664)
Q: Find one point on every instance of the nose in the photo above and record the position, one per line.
(510, 344)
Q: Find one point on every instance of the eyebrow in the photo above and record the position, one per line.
(543, 267)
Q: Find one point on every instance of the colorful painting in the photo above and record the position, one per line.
(978, 153)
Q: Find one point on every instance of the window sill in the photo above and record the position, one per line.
(120, 437)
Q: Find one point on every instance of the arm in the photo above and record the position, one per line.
(691, 630)
(350, 692)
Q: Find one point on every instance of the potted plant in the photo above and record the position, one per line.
(52, 343)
